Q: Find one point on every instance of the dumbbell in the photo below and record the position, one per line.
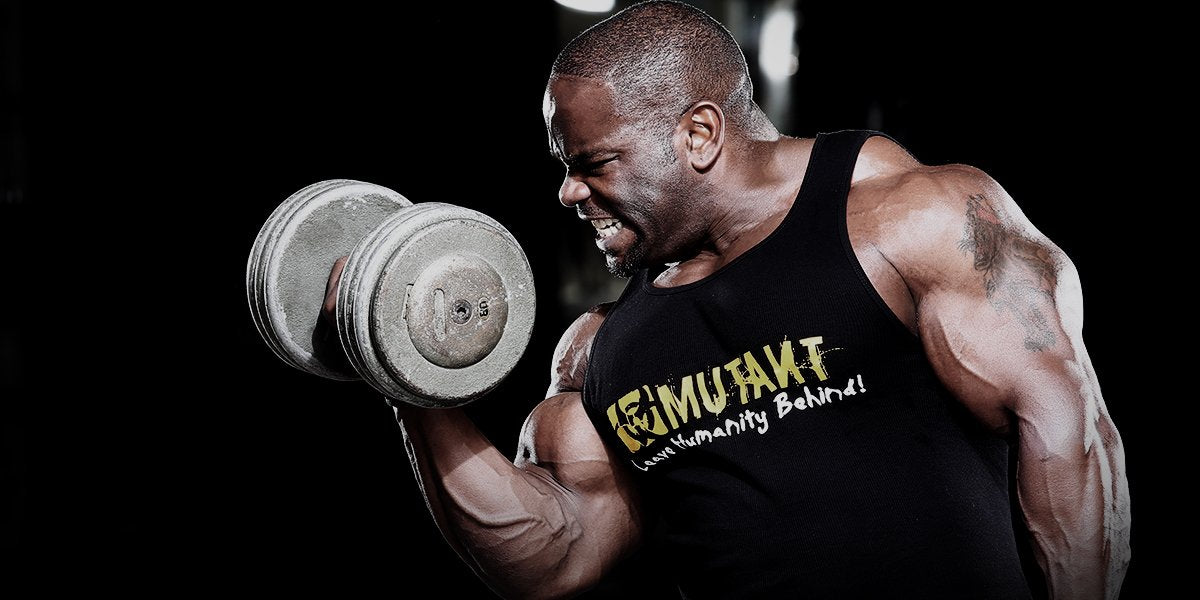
(434, 307)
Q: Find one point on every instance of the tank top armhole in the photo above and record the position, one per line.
(856, 265)
(633, 282)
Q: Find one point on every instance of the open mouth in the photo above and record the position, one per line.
(606, 228)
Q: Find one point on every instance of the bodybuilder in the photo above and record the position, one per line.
(813, 375)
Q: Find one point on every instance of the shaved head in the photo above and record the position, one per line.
(638, 109)
(661, 58)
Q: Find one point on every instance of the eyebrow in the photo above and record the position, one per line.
(585, 157)
(578, 158)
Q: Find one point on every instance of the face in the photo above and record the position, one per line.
(623, 177)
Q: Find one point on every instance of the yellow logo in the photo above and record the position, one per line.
(646, 413)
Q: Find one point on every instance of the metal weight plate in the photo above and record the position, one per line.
(442, 305)
(289, 266)
(264, 248)
(255, 266)
(296, 265)
(457, 310)
(267, 240)
(466, 319)
(354, 293)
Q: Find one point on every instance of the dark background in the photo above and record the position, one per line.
(152, 443)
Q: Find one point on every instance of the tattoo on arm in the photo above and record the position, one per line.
(1019, 274)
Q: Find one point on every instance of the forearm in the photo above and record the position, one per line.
(513, 526)
(1074, 492)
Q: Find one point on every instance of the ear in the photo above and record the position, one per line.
(704, 129)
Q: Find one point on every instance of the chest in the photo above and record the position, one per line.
(786, 330)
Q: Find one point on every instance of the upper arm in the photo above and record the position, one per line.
(560, 444)
(1000, 313)
(570, 361)
(999, 307)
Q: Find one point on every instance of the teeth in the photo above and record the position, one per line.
(606, 227)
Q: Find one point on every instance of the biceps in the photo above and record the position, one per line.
(560, 446)
(560, 443)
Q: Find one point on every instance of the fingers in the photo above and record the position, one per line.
(329, 307)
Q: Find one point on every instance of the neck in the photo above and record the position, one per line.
(749, 192)
(752, 192)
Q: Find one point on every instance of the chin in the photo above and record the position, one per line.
(619, 267)
(625, 265)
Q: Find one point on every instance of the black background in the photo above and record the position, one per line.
(152, 443)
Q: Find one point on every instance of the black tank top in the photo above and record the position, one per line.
(790, 431)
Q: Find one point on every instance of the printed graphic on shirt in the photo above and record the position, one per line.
(657, 421)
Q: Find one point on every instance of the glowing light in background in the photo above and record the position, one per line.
(593, 6)
(776, 55)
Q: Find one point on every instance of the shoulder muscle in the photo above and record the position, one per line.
(570, 361)
(957, 229)
(996, 300)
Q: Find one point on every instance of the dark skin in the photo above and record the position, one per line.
(996, 305)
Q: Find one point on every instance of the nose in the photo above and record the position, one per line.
(572, 191)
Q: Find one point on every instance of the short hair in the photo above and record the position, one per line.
(661, 57)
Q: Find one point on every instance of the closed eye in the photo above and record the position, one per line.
(594, 166)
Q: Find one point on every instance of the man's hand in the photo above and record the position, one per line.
(329, 307)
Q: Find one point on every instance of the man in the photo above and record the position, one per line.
(810, 380)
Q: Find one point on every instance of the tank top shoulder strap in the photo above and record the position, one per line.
(820, 206)
(833, 158)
